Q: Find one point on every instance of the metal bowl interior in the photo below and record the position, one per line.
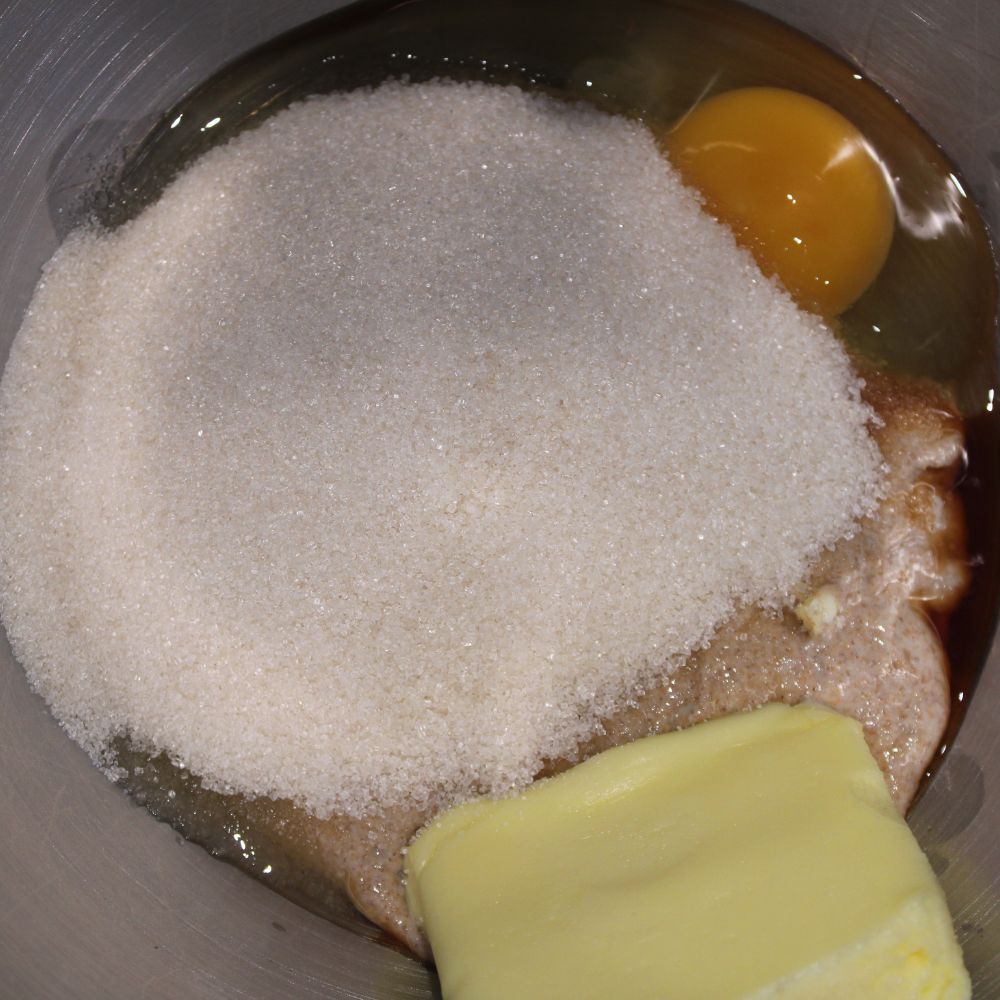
(101, 900)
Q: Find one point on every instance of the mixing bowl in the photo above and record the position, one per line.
(97, 899)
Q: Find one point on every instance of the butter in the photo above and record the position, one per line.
(818, 610)
(754, 856)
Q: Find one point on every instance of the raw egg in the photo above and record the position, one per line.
(799, 186)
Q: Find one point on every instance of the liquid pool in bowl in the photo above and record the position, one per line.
(930, 313)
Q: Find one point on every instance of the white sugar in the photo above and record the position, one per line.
(400, 440)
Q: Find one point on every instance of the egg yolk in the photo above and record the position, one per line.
(798, 185)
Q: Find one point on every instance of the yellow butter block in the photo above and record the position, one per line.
(754, 856)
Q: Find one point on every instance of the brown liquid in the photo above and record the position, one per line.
(930, 313)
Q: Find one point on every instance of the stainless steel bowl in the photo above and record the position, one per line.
(97, 900)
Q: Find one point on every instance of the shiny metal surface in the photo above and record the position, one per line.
(97, 900)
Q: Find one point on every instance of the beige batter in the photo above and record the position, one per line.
(879, 660)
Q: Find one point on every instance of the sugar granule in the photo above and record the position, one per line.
(399, 441)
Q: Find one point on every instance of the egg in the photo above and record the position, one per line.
(799, 186)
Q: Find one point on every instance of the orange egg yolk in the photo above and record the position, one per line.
(798, 185)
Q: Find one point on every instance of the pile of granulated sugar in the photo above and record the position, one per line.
(399, 441)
